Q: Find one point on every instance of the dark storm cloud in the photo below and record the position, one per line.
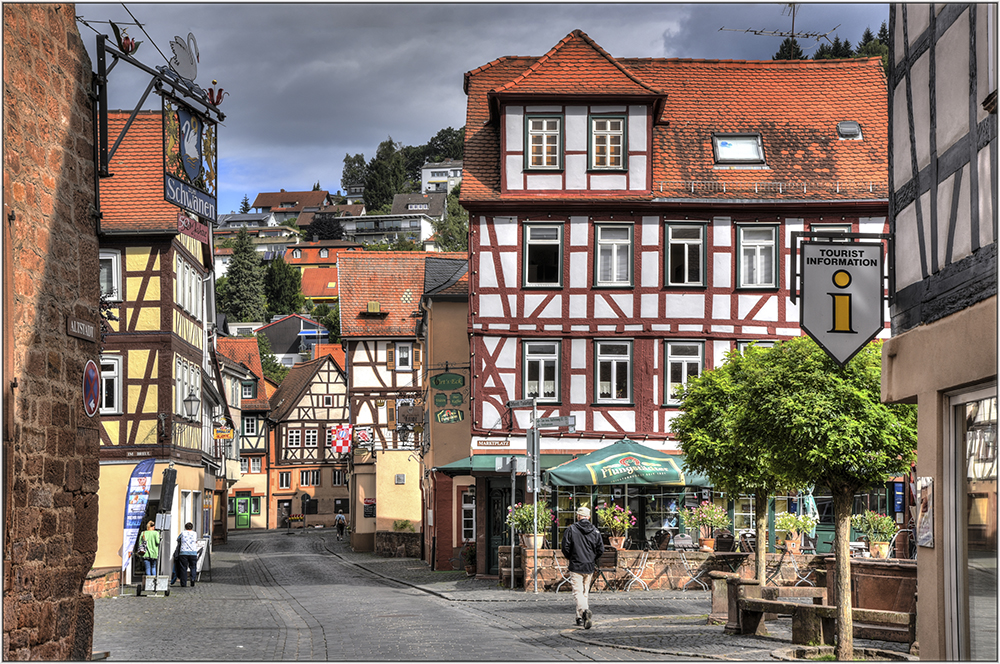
(312, 82)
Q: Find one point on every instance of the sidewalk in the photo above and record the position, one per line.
(663, 622)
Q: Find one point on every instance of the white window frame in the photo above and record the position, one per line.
(296, 253)
(830, 228)
(611, 255)
(311, 438)
(684, 362)
(304, 478)
(532, 244)
(468, 524)
(324, 253)
(751, 254)
(328, 401)
(293, 438)
(247, 390)
(746, 149)
(403, 350)
(688, 247)
(114, 259)
(249, 425)
(535, 355)
(602, 143)
(112, 375)
(339, 477)
(601, 358)
(285, 480)
(545, 132)
(255, 464)
(244, 465)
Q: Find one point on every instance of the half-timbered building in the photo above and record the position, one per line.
(630, 224)
(379, 313)
(309, 473)
(248, 506)
(943, 352)
(155, 362)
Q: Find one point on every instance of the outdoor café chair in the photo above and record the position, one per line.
(694, 571)
(563, 574)
(724, 541)
(684, 543)
(635, 572)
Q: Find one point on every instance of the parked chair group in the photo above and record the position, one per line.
(724, 541)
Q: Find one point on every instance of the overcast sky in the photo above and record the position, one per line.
(309, 83)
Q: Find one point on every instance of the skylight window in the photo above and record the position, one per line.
(849, 130)
(738, 148)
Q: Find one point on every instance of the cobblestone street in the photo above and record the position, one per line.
(280, 596)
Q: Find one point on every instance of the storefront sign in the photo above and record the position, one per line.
(843, 294)
(369, 511)
(190, 227)
(447, 381)
(500, 442)
(190, 164)
(449, 416)
(136, 497)
(223, 433)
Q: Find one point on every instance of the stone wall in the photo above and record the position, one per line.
(103, 582)
(388, 543)
(50, 446)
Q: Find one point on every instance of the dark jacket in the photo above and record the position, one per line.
(582, 545)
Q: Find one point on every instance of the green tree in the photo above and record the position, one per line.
(245, 205)
(353, 172)
(384, 176)
(326, 226)
(241, 295)
(789, 50)
(273, 369)
(329, 317)
(283, 288)
(316, 186)
(883, 35)
(866, 37)
(453, 230)
(398, 244)
(813, 422)
(824, 52)
(841, 49)
(710, 409)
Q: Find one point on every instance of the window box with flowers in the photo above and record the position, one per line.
(523, 519)
(706, 518)
(616, 520)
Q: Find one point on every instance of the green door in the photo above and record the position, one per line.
(242, 512)
(498, 533)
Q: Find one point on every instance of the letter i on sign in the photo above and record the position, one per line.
(841, 303)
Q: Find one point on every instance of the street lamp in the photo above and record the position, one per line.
(191, 405)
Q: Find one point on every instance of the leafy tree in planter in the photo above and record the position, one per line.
(241, 293)
(283, 288)
(814, 422)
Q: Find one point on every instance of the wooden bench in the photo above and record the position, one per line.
(817, 623)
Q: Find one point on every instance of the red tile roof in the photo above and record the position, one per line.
(319, 282)
(394, 279)
(309, 252)
(336, 351)
(132, 200)
(795, 105)
(301, 199)
(245, 350)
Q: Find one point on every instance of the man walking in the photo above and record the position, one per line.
(341, 522)
(582, 545)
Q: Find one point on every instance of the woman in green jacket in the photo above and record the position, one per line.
(151, 538)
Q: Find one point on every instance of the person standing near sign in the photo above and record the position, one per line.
(189, 554)
(582, 545)
(151, 542)
(341, 522)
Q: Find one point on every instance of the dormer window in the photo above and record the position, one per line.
(607, 141)
(743, 149)
(544, 142)
(849, 130)
(324, 253)
(296, 253)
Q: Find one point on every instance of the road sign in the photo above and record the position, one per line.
(569, 421)
(503, 464)
(521, 403)
(842, 296)
(91, 388)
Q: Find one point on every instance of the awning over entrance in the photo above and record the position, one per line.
(487, 463)
(624, 462)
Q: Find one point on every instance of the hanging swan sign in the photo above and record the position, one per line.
(189, 159)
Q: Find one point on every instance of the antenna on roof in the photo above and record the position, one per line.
(789, 10)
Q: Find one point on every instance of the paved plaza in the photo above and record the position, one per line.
(302, 595)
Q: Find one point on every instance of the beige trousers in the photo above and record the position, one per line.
(581, 591)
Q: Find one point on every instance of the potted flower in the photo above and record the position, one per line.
(616, 520)
(707, 517)
(469, 557)
(522, 518)
(878, 529)
(793, 525)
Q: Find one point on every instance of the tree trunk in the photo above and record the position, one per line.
(842, 503)
(760, 516)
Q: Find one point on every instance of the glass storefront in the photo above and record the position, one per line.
(975, 543)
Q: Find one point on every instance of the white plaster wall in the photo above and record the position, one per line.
(684, 305)
(951, 62)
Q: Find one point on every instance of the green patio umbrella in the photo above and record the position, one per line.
(623, 462)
